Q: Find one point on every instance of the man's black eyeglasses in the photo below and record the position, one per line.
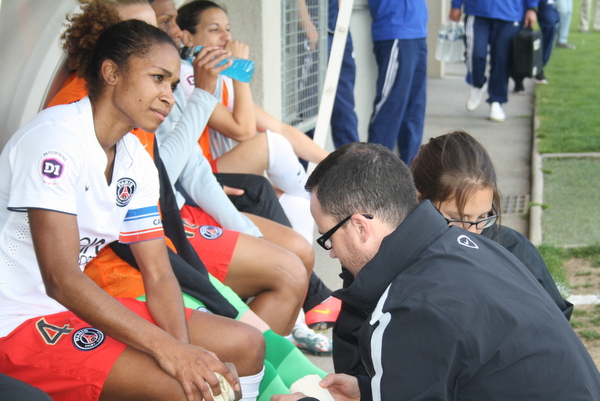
(479, 224)
(324, 240)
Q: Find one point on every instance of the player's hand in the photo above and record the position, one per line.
(530, 19)
(288, 397)
(233, 191)
(205, 66)
(238, 49)
(195, 367)
(454, 14)
(342, 387)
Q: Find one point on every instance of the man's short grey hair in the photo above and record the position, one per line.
(364, 178)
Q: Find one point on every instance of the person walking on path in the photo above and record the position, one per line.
(399, 32)
(492, 23)
(548, 19)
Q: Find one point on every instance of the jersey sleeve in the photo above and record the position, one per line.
(142, 221)
(187, 83)
(45, 168)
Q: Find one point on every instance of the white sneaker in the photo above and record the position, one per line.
(307, 340)
(475, 97)
(496, 112)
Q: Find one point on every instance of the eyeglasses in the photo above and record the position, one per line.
(324, 240)
(479, 224)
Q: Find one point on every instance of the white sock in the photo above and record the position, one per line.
(297, 210)
(250, 385)
(284, 169)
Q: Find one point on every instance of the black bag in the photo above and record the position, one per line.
(527, 54)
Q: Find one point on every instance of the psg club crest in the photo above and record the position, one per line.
(87, 339)
(125, 189)
(211, 232)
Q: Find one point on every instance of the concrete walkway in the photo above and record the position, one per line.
(509, 144)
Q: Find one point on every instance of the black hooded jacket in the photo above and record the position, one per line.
(451, 315)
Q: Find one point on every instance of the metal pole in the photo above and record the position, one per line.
(333, 74)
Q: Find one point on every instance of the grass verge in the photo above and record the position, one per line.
(555, 258)
(568, 105)
(571, 194)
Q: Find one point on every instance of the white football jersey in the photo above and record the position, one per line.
(55, 162)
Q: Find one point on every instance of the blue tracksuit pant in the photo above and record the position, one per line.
(399, 107)
(548, 17)
(344, 123)
(498, 34)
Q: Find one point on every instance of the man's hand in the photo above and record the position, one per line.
(342, 387)
(454, 14)
(530, 19)
(312, 35)
(238, 49)
(195, 367)
(288, 397)
(232, 191)
(206, 71)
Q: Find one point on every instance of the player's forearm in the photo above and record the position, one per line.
(243, 110)
(164, 301)
(163, 293)
(83, 297)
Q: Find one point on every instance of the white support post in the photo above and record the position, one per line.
(333, 74)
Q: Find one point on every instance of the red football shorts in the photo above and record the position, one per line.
(214, 245)
(63, 355)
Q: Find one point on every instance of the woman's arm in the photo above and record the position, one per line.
(200, 184)
(304, 147)
(66, 283)
(163, 293)
(241, 124)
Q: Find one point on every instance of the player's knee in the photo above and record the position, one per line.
(251, 350)
(261, 142)
(295, 278)
(297, 244)
(306, 253)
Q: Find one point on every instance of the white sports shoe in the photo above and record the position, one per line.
(307, 340)
(496, 112)
(475, 97)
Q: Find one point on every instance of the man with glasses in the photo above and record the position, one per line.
(447, 314)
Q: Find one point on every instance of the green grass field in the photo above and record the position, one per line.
(569, 112)
(569, 107)
(572, 200)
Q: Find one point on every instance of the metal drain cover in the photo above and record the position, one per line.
(514, 204)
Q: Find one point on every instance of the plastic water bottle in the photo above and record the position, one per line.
(240, 70)
(454, 47)
(439, 48)
(450, 40)
(457, 49)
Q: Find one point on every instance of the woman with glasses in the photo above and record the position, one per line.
(456, 174)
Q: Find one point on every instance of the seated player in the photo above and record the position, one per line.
(78, 178)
